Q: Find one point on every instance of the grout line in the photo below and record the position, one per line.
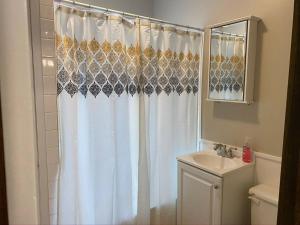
(50, 20)
(48, 56)
(49, 95)
(45, 4)
(53, 57)
(52, 163)
(46, 76)
(48, 39)
(50, 113)
(50, 131)
(51, 147)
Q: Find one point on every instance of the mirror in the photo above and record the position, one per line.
(230, 70)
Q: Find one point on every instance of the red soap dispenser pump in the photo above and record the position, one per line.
(247, 152)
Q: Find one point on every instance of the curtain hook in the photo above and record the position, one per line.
(59, 5)
(89, 10)
(74, 6)
(107, 12)
(187, 29)
(123, 15)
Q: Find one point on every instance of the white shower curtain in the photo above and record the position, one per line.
(128, 105)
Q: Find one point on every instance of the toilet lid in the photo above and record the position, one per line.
(266, 193)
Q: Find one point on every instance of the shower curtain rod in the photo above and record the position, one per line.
(231, 34)
(125, 13)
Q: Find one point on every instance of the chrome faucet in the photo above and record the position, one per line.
(223, 151)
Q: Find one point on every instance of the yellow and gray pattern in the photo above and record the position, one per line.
(92, 67)
(227, 64)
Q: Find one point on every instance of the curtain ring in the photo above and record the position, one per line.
(107, 12)
(187, 29)
(149, 21)
(74, 6)
(59, 5)
(123, 15)
(89, 10)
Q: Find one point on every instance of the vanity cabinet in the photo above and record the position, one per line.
(205, 198)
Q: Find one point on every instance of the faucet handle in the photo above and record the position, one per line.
(217, 146)
(230, 151)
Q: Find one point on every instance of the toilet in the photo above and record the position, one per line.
(264, 204)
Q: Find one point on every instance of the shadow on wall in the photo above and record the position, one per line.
(242, 112)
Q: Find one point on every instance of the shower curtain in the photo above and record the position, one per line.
(127, 105)
(227, 67)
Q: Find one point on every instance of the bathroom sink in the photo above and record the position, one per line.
(212, 163)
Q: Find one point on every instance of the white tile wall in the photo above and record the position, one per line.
(48, 48)
(49, 85)
(267, 169)
(52, 156)
(49, 65)
(50, 106)
(50, 103)
(46, 11)
(47, 28)
(46, 2)
(52, 139)
(51, 121)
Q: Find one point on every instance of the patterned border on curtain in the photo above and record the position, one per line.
(227, 66)
(91, 67)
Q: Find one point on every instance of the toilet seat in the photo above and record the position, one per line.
(264, 204)
(265, 193)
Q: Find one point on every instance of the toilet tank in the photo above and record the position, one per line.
(264, 204)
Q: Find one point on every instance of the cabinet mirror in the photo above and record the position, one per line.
(232, 61)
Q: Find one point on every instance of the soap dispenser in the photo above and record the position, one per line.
(247, 152)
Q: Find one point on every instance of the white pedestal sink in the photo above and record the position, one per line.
(213, 189)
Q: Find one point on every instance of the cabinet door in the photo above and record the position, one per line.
(199, 196)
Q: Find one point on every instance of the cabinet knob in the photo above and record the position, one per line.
(216, 186)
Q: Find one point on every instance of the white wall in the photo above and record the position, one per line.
(263, 120)
(18, 113)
